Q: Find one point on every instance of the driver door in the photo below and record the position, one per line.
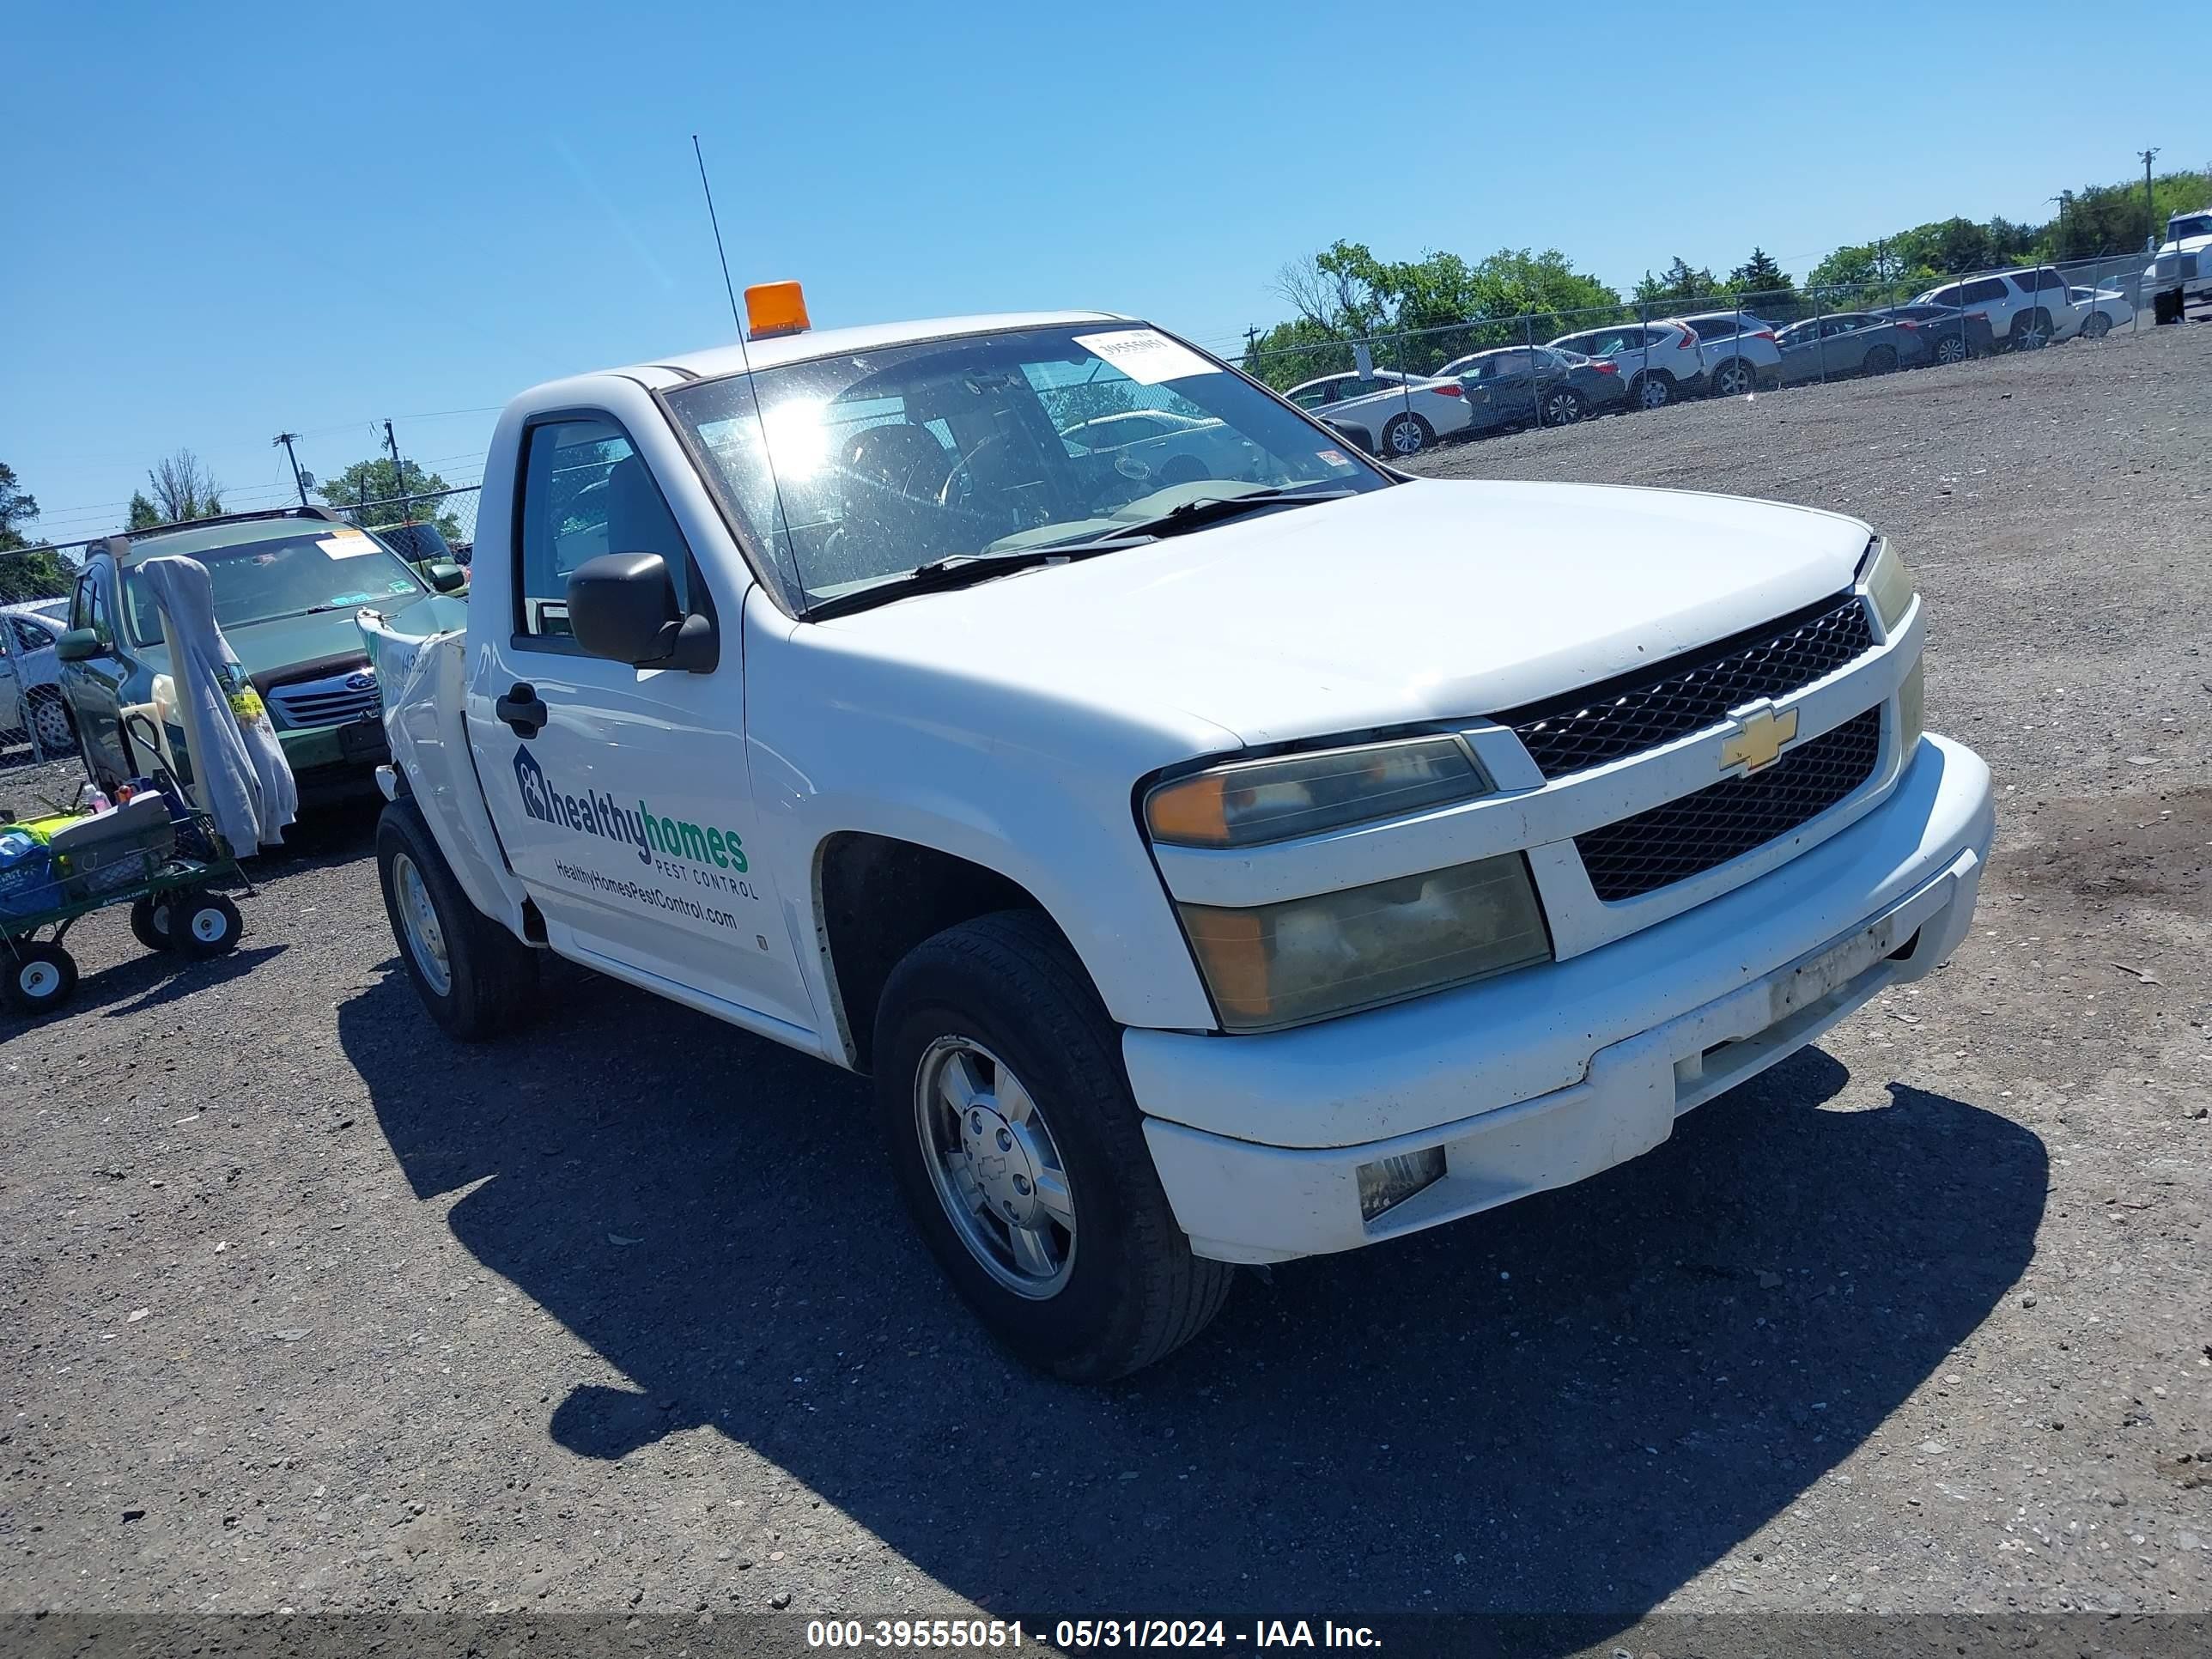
(623, 795)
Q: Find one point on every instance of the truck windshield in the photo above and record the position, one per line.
(886, 461)
(328, 569)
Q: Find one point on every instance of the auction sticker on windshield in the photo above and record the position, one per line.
(1146, 355)
(347, 544)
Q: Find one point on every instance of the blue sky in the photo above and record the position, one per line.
(231, 219)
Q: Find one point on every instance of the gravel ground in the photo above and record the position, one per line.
(308, 1307)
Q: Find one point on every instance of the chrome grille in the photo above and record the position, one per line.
(330, 702)
(1685, 694)
(1685, 837)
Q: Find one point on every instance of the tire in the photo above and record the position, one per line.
(1116, 1288)
(1653, 389)
(2031, 330)
(149, 920)
(476, 979)
(2097, 327)
(1951, 349)
(38, 978)
(53, 727)
(203, 924)
(1733, 378)
(1561, 406)
(1406, 435)
(1881, 360)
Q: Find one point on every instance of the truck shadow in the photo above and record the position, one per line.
(1572, 1404)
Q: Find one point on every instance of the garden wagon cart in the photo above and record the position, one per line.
(165, 868)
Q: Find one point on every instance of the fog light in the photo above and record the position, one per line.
(1389, 1181)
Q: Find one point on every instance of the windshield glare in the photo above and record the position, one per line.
(891, 460)
(329, 568)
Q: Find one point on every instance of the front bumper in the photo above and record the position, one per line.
(331, 762)
(1541, 1078)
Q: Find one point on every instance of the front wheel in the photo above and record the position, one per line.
(1562, 406)
(2097, 327)
(204, 925)
(1406, 435)
(39, 977)
(1951, 349)
(1021, 1154)
(476, 979)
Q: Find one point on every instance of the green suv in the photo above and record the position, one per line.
(286, 584)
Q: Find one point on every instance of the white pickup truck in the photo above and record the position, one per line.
(2181, 269)
(1208, 871)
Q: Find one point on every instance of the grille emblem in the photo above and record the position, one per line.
(1759, 734)
(360, 682)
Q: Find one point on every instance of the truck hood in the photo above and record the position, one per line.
(1430, 600)
(278, 643)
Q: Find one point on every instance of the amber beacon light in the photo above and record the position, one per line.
(775, 308)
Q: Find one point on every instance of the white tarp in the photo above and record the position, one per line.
(239, 775)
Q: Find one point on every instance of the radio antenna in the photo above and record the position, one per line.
(745, 355)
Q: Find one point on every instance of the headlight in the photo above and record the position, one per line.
(1335, 953)
(1887, 583)
(1257, 801)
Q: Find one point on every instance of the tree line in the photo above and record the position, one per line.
(1425, 311)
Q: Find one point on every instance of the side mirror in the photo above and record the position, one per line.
(1352, 433)
(623, 606)
(444, 577)
(79, 645)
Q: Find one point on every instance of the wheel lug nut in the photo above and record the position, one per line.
(1005, 1141)
(975, 1121)
(1022, 1185)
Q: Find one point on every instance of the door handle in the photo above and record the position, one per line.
(523, 709)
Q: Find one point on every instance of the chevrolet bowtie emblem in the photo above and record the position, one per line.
(1759, 735)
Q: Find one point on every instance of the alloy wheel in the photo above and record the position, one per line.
(995, 1167)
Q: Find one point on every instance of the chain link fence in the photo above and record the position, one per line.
(1408, 391)
(36, 585)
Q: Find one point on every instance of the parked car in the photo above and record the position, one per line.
(1661, 362)
(2026, 308)
(1532, 386)
(422, 545)
(1847, 342)
(2101, 311)
(30, 696)
(1222, 873)
(1740, 350)
(1405, 412)
(1953, 334)
(287, 583)
(1172, 447)
(2181, 270)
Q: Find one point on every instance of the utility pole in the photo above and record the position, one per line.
(2150, 210)
(299, 478)
(398, 473)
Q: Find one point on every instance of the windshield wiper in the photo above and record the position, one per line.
(962, 570)
(1212, 509)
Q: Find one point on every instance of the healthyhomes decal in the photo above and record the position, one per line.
(638, 827)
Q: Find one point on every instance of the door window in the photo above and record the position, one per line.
(29, 636)
(586, 490)
(1986, 290)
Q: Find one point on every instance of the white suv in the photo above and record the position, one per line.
(1662, 361)
(2028, 308)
